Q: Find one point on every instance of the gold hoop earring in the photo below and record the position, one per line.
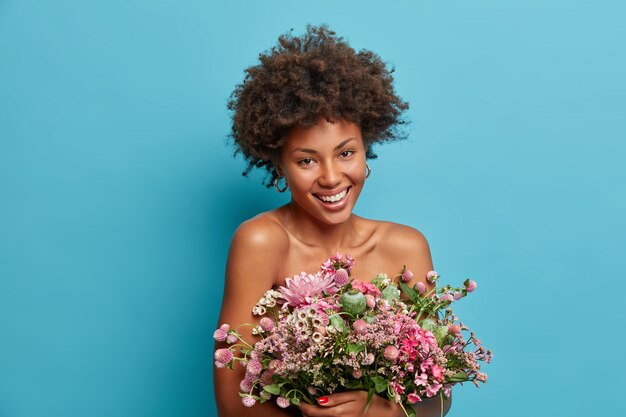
(280, 190)
(368, 171)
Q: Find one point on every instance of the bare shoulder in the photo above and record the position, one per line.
(405, 245)
(400, 237)
(261, 233)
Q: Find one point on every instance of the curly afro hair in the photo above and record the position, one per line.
(304, 78)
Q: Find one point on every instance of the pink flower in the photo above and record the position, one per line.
(421, 379)
(433, 389)
(407, 275)
(458, 295)
(366, 287)
(361, 326)
(223, 355)
(391, 353)
(254, 367)
(248, 401)
(413, 398)
(432, 276)
(246, 384)
(421, 287)
(341, 277)
(446, 297)
(282, 402)
(221, 333)
(470, 285)
(437, 372)
(357, 374)
(304, 288)
(370, 301)
(231, 339)
(267, 324)
(454, 329)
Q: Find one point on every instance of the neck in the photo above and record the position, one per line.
(330, 238)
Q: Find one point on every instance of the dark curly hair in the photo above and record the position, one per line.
(304, 78)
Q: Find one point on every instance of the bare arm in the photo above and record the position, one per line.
(419, 260)
(250, 271)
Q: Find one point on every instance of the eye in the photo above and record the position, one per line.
(346, 153)
(305, 161)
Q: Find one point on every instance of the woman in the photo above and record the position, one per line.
(309, 114)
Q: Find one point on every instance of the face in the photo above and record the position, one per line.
(324, 166)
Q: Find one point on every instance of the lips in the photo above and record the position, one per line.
(324, 197)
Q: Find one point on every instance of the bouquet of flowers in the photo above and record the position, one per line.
(328, 332)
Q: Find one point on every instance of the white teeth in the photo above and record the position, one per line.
(334, 198)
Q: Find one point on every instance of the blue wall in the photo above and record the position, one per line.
(118, 193)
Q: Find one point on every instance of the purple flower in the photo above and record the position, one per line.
(231, 339)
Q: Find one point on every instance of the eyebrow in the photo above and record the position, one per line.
(313, 151)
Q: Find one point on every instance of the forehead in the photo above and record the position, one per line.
(322, 135)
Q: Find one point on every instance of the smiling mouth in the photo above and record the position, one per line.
(334, 198)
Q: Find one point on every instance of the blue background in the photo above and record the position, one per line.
(119, 195)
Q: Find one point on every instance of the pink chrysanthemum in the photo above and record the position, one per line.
(302, 289)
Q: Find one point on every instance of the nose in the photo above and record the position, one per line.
(330, 176)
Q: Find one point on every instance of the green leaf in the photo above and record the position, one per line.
(354, 384)
(380, 384)
(410, 411)
(458, 377)
(410, 292)
(272, 389)
(295, 401)
(355, 347)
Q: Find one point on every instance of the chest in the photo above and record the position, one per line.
(369, 263)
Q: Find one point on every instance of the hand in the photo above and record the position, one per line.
(351, 404)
